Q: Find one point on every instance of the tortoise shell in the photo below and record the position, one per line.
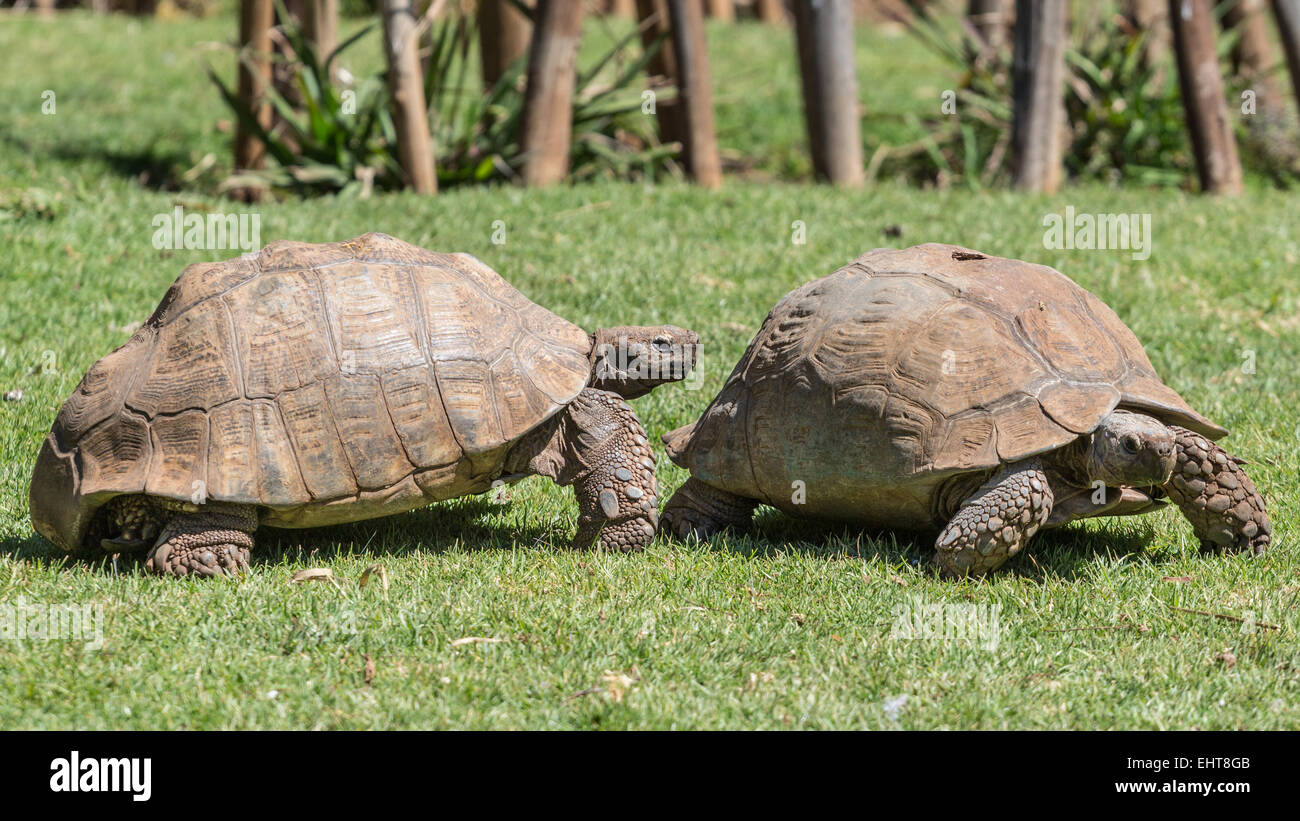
(322, 382)
(907, 366)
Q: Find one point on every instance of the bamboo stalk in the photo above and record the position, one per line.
(1287, 15)
(322, 25)
(503, 38)
(824, 35)
(548, 99)
(694, 88)
(1213, 140)
(1038, 106)
(255, 19)
(652, 16)
(406, 87)
(1252, 54)
(723, 10)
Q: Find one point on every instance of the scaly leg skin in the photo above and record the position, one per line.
(1217, 497)
(995, 522)
(134, 522)
(615, 477)
(211, 542)
(699, 511)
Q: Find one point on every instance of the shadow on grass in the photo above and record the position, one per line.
(475, 523)
(151, 168)
(470, 523)
(29, 547)
(1064, 553)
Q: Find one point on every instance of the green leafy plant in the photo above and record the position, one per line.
(336, 139)
(969, 149)
(1124, 117)
(1123, 111)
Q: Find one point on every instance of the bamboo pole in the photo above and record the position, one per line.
(1201, 85)
(255, 19)
(621, 8)
(723, 10)
(1150, 17)
(988, 18)
(503, 38)
(322, 25)
(1038, 88)
(406, 88)
(1287, 15)
(652, 17)
(695, 91)
(548, 99)
(770, 11)
(824, 35)
(1252, 55)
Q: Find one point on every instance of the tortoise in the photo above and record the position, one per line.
(314, 384)
(937, 388)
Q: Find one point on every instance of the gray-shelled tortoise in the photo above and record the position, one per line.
(315, 384)
(940, 388)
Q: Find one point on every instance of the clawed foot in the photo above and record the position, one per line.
(212, 560)
(688, 524)
(994, 523)
(135, 523)
(208, 543)
(700, 512)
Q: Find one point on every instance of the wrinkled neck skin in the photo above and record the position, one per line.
(1066, 475)
(542, 452)
(1072, 472)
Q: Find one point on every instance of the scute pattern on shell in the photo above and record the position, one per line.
(906, 366)
(325, 382)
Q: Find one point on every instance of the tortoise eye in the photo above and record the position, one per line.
(1131, 443)
(662, 344)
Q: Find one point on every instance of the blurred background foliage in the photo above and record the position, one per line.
(334, 133)
(1124, 120)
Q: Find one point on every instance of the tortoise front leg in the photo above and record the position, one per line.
(995, 522)
(1217, 497)
(210, 542)
(617, 492)
(599, 447)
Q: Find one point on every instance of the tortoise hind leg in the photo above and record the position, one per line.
(209, 542)
(700, 511)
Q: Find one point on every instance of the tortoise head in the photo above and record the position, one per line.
(1130, 449)
(632, 360)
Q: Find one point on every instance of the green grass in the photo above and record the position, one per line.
(788, 626)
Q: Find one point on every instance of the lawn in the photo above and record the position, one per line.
(792, 625)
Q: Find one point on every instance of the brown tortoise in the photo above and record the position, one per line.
(315, 384)
(938, 388)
